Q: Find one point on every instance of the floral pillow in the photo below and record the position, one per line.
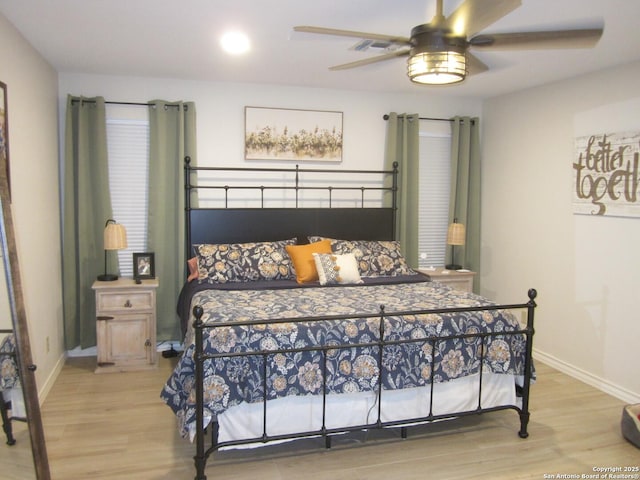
(244, 262)
(375, 258)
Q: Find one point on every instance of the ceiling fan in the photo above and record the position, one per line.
(439, 51)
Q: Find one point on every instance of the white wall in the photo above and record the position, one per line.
(33, 144)
(220, 111)
(585, 268)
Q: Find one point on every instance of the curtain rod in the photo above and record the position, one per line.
(386, 117)
(140, 104)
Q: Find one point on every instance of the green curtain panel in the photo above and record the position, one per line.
(464, 204)
(87, 206)
(172, 136)
(402, 146)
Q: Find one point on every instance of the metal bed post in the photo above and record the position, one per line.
(524, 414)
(394, 200)
(187, 206)
(297, 187)
(381, 345)
(483, 351)
(200, 457)
(265, 358)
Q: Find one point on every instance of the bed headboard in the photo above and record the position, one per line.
(232, 224)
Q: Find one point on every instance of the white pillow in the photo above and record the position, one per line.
(333, 269)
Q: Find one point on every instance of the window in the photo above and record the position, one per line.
(435, 173)
(128, 150)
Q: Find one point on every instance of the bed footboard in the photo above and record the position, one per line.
(382, 344)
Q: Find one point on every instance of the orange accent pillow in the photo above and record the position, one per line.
(303, 261)
(193, 269)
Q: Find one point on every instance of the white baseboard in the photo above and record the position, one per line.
(51, 379)
(606, 386)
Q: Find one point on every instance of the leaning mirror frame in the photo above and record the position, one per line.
(26, 368)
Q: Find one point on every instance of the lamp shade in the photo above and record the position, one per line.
(115, 236)
(456, 234)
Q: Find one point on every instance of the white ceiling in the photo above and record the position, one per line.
(170, 39)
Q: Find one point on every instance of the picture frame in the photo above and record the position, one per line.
(144, 266)
(292, 134)
(4, 133)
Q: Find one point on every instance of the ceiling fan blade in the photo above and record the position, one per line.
(354, 34)
(475, 65)
(559, 39)
(473, 16)
(370, 60)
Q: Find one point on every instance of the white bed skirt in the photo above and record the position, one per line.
(14, 395)
(304, 413)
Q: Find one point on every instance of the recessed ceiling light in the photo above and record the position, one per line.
(235, 43)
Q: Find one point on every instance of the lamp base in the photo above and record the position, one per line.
(107, 277)
(453, 267)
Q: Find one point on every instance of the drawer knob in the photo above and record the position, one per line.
(128, 304)
(147, 343)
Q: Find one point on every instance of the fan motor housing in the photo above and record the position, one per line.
(425, 38)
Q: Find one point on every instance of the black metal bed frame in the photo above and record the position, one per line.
(301, 226)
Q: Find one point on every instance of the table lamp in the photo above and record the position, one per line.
(455, 236)
(115, 238)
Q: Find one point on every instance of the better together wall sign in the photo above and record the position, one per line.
(606, 174)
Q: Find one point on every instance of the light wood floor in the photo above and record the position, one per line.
(115, 426)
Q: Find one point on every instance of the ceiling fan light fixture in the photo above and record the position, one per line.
(437, 57)
(437, 68)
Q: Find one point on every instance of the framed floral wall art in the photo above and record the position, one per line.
(289, 134)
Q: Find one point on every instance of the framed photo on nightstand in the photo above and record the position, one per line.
(144, 266)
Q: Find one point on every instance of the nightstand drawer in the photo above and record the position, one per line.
(119, 301)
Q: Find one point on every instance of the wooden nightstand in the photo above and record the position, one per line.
(453, 278)
(125, 324)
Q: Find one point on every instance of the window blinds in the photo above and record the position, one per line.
(128, 151)
(435, 173)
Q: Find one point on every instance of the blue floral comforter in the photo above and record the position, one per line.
(8, 368)
(232, 380)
